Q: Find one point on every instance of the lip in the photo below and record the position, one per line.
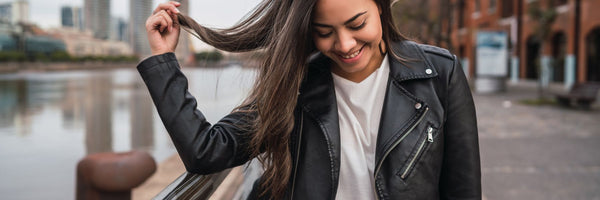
(355, 58)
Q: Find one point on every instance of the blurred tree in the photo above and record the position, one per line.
(209, 56)
(60, 56)
(419, 20)
(13, 56)
(544, 15)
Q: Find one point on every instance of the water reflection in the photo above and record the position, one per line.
(8, 101)
(98, 118)
(48, 121)
(141, 116)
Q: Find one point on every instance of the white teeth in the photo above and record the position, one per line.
(351, 55)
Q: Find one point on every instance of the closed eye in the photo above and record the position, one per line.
(359, 26)
(323, 35)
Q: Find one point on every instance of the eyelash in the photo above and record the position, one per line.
(359, 26)
(355, 28)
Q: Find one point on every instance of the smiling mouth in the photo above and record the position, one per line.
(353, 54)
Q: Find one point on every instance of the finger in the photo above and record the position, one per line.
(164, 24)
(175, 21)
(168, 18)
(159, 23)
(170, 6)
(176, 3)
(153, 23)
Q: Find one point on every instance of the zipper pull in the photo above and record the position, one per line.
(430, 134)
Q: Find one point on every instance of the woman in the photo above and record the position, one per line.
(344, 107)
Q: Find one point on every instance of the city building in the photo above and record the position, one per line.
(14, 12)
(566, 51)
(71, 17)
(66, 16)
(6, 12)
(118, 29)
(79, 44)
(184, 47)
(97, 17)
(139, 11)
(29, 39)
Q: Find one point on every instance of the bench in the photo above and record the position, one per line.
(581, 94)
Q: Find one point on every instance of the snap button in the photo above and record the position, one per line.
(428, 71)
(418, 106)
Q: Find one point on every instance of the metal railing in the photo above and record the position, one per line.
(195, 186)
(192, 186)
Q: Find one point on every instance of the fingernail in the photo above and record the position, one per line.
(176, 10)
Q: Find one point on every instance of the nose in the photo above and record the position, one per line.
(344, 42)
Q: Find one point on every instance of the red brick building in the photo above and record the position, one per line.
(570, 54)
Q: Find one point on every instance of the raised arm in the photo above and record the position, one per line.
(203, 148)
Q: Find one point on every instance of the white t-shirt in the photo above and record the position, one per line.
(359, 109)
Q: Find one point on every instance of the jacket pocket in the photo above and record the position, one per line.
(425, 140)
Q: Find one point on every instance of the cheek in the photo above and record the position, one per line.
(322, 44)
(371, 33)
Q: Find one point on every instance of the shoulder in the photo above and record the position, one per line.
(412, 50)
(440, 58)
(437, 51)
(441, 61)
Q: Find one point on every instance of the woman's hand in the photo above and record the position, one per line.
(162, 28)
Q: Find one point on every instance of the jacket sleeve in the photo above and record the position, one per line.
(461, 172)
(203, 148)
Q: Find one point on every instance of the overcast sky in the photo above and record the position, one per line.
(214, 13)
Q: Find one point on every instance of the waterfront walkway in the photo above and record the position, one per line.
(537, 152)
(527, 152)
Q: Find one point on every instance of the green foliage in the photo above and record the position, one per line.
(545, 18)
(422, 20)
(39, 56)
(210, 56)
(538, 102)
(59, 56)
(11, 56)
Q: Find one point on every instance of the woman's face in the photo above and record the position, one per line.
(349, 32)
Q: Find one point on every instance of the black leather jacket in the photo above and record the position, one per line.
(427, 146)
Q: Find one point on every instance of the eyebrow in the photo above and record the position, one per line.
(345, 23)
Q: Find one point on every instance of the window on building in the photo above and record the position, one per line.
(507, 8)
(493, 6)
(461, 14)
(559, 2)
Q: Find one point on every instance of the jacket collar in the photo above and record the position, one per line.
(318, 82)
(317, 97)
(415, 66)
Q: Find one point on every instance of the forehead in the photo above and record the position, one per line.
(336, 11)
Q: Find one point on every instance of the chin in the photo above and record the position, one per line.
(357, 66)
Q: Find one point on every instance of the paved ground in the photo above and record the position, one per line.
(527, 152)
(537, 152)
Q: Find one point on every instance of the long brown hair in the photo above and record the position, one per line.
(283, 29)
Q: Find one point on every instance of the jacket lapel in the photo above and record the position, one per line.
(317, 98)
(401, 109)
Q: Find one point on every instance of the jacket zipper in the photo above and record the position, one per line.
(394, 146)
(297, 154)
(428, 139)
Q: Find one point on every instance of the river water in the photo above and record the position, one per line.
(50, 120)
